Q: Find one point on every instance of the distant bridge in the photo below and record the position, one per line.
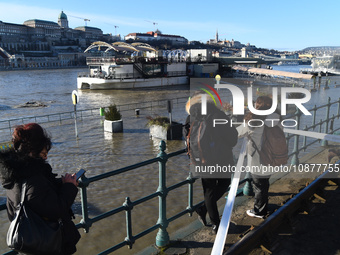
(121, 46)
(287, 60)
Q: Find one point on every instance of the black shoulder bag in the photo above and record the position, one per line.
(30, 233)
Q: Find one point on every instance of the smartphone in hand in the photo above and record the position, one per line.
(80, 173)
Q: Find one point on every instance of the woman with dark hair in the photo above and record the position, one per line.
(48, 196)
(254, 132)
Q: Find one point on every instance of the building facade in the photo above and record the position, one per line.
(40, 43)
(42, 35)
(156, 36)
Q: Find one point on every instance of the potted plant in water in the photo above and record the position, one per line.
(113, 119)
(160, 127)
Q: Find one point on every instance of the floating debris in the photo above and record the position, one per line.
(296, 95)
(32, 104)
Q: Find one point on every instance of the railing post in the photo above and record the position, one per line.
(248, 188)
(305, 139)
(325, 142)
(314, 117)
(191, 194)
(129, 237)
(295, 158)
(162, 238)
(331, 127)
(85, 221)
(10, 130)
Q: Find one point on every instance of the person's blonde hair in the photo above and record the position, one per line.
(195, 99)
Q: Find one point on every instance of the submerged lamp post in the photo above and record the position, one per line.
(218, 78)
(75, 100)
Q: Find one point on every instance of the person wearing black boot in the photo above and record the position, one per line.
(209, 145)
(260, 180)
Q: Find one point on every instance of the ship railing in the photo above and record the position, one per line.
(110, 76)
(107, 60)
(99, 60)
(133, 75)
(83, 74)
(177, 73)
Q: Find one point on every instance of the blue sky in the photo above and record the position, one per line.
(282, 25)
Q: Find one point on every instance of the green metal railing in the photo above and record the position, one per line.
(325, 125)
(82, 113)
(162, 238)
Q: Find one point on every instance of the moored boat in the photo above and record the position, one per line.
(326, 65)
(128, 73)
(138, 65)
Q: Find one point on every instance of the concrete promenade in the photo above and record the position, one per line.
(198, 240)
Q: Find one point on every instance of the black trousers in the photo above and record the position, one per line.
(213, 190)
(261, 187)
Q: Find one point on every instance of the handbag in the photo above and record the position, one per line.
(29, 233)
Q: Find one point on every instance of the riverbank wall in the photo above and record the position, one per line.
(6, 69)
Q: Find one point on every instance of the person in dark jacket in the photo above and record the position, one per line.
(260, 179)
(224, 138)
(46, 195)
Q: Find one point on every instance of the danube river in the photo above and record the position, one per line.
(99, 152)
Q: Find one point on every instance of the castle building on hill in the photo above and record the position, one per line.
(43, 35)
(41, 43)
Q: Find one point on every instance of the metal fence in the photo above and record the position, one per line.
(6, 126)
(162, 238)
(328, 123)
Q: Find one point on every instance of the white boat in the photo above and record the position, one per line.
(288, 63)
(329, 65)
(129, 73)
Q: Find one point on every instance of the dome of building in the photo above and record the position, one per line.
(62, 15)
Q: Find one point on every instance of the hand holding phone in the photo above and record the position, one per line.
(68, 178)
(80, 173)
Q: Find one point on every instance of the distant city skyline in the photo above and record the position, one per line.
(280, 25)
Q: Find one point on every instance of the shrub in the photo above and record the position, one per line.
(112, 113)
(158, 120)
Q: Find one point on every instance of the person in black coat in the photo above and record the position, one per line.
(216, 145)
(46, 195)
